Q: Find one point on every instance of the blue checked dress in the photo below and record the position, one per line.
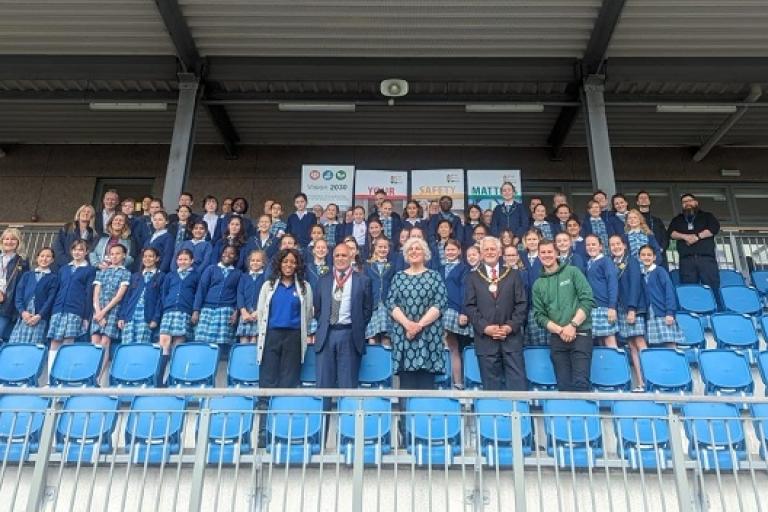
(213, 325)
(386, 225)
(277, 228)
(137, 330)
(330, 234)
(545, 228)
(636, 240)
(110, 279)
(451, 316)
(23, 333)
(599, 229)
(381, 321)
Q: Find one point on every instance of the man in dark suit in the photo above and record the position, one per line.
(343, 307)
(109, 205)
(496, 304)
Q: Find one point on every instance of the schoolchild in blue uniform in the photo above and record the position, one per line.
(139, 310)
(215, 312)
(455, 321)
(263, 239)
(109, 288)
(540, 222)
(34, 300)
(358, 228)
(573, 228)
(279, 226)
(161, 240)
(632, 303)
(565, 253)
(199, 246)
(181, 228)
(661, 326)
(375, 233)
(318, 264)
(444, 232)
(332, 225)
(12, 267)
(562, 214)
(444, 213)
(235, 237)
(510, 214)
(380, 271)
(639, 234)
(239, 209)
(599, 223)
(390, 223)
(248, 289)
(413, 216)
(177, 298)
(534, 334)
(73, 306)
(604, 280)
(316, 232)
(474, 219)
(300, 221)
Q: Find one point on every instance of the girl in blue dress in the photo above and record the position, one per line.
(455, 321)
(140, 309)
(34, 299)
(177, 298)
(109, 288)
(638, 234)
(604, 280)
(215, 314)
(248, 289)
(380, 271)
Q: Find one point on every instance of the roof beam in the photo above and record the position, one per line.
(594, 56)
(88, 67)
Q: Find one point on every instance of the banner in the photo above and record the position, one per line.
(430, 185)
(394, 183)
(325, 184)
(484, 186)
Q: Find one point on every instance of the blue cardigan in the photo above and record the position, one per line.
(457, 231)
(454, 285)
(64, 240)
(514, 219)
(223, 223)
(151, 291)
(215, 255)
(604, 280)
(660, 292)
(379, 281)
(177, 294)
(44, 292)
(269, 246)
(248, 290)
(75, 293)
(631, 289)
(165, 246)
(214, 291)
(300, 227)
(575, 259)
(201, 253)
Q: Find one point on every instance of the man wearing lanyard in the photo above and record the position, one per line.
(343, 307)
(695, 232)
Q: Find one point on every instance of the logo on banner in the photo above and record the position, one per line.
(341, 175)
(395, 179)
(328, 175)
(452, 178)
(314, 174)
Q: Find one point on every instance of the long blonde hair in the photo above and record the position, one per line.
(76, 221)
(643, 225)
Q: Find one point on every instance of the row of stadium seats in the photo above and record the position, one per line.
(758, 279)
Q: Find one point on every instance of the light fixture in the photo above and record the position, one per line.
(316, 107)
(730, 173)
(393, 87)
(128, 106)
(504, 107)
(696, 109)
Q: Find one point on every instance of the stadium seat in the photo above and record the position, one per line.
(294, 429)
(229, 434)
(736, 332)
(674, 275)
(85, 427)
(760, 282)
(725, 372)
(193, 365)
(376, 367)
(433, 430)
(610, 370)
(693, 332)
(21, 422)
(642, 433)
(574, 434)
(539, 369)
(445, 380)
(243, 366)
(308, 376)
(731, 278)
(742, 299)
(715, 435)
(666, 370)
(762, 366)
(759, 413)
(21, 364)
(696, 298)
(135, 365)
(494, 428)
(76, 365)
(377, 428)
(153, 430)
(472, 378)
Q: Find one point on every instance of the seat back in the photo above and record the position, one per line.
(610, 369)
(494, 422)
(640, 423)
(21, 416)
(433, 419)
(376, 367)
(472, 378)
(734, 330)
(87, 418)
(693, 330)
(21, 364)
(155, 418)
(243, 366)
(760, 281)
(231, 417)
(741, 299)
(572, 421)
(665, 369)
(76, 365)
(135, 364)
(714, 424)
(731, 278)
(294, 419)
(762, 365)
(377, 417)
(539, 369)
(193, 364)
(725, 369)
(696, 298)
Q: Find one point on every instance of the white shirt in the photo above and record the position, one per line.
(345, 310)
(211, 219)
(358, 231)
(105, 215)
(489, 270)
(158, 233)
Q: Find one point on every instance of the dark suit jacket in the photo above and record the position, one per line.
(509, 307)
(98, 222)
(362, 309)
(13, 271)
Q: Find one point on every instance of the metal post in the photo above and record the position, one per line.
(678, 462)
(518, 463)
(598, 143)
(183, 138)
(201, 459)
(358, 461)
(39, 475)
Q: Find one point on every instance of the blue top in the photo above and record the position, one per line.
(177, 294)
(636, 239)
(223, 224)
(248, 289)
(300, 227)
(43, 291)
(380, 276)
(457, 232)
(513, 217)
(285, 308)
(165, 246)
(533, 270)
(631, 289)
(141, 289)
(13, 271)
(201, 253)
(269, 246)
(314, 272)
(215, 255)
(660, 292)
(604, 280)
(64, 240)
(575, 259)
(75, 294)
(454, 284)
(217, 288)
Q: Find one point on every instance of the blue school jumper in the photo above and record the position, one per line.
(73, 302)
(509, 216)
(201, 253)
(248, 297)
(223, 224)
(604, 280)
(455, 275)
(64, 240)
(177, 296)
(269, 245)
(299, 227)
(164, 244)
(573, 259)
(216, 299)
(314, 271)
(140, 306)
(35, 294)
(218, 248)
(457, 231)
(380, 275)
(631, 297)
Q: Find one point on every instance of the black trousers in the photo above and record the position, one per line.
(696, 269)
(505, 369)
(418, 379)
(281, 360)
(572, 361)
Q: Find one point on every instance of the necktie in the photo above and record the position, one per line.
(336, 303)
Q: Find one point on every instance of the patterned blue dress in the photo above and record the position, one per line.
(137, 329)
(414, 295)
(110, 279)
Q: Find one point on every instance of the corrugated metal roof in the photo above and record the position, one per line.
(90, 85)
(92, 27)
(692, 28)
(392, 28)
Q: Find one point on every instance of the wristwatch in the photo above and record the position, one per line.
(574, 324)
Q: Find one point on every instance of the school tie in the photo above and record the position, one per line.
(336, 304)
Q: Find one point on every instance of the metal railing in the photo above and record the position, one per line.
(462, 458)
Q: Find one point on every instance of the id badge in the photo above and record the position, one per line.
(690, 226)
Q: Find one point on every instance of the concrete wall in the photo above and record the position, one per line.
(50, 181)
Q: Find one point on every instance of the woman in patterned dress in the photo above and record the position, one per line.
(416, 298)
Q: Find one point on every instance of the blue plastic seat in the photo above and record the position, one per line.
(85, 427)
(377, 428)
(762, 366)
(243, 366)
(574, 433)
(308, 376)
(693, 327)
(472, 378)
(715, 435)
(735, 331)
(445, 380)
(294, 429)
(759, 413)
(21, 422)
(696, 298)
(376, 367)
(741, 299)
(21, 364)
(610, 370)
(77, 365)
(135, 365)
(725, 372)
(642, 433)
(153, 430)
(494, 428)
(433, 430)
(760, 281)
(666, 370)
(539, 369)
(731, 278)
(229, 434)
(193, 365)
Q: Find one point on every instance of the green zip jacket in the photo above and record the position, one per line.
(558, 295)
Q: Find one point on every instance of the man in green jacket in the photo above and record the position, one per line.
(562, 302)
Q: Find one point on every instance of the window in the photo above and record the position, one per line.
(135, 188)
